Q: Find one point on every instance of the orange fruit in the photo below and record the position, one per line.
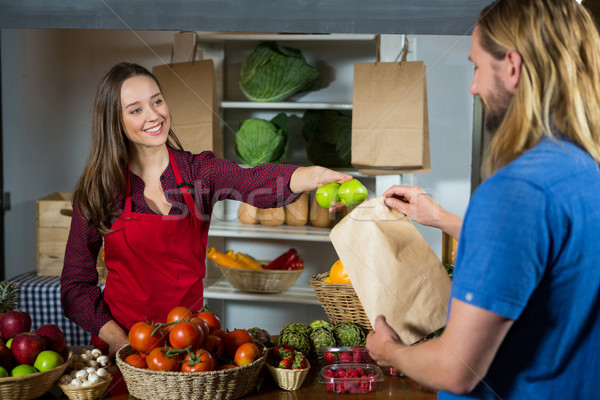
(338, 273)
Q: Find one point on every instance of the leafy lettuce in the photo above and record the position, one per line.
(329, 138)
(273, 73)
(259, 141)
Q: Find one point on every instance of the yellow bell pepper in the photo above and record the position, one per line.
(222, 259)
(248, 261)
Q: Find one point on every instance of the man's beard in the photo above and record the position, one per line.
(495, 107)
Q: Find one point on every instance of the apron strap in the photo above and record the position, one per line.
(183, 186)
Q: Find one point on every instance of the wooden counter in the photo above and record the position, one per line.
(392, 388)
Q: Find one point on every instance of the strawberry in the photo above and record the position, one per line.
(346, 357)
(286, 363)
(300, 361)
(283, 351)
(330, 357)
(360, 354)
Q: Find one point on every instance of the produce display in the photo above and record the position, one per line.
(328, 135)
(313, 339)
(285, 356)
(259, 141)
(87, 368)
(190, 341)
(273, 73)
(350, 378)
(286, 261)
(23, 351)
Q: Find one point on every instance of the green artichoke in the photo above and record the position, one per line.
(322, 337)
(300, 341)
(349, 334)
(295, 327)
(320, 323)
(261, 336)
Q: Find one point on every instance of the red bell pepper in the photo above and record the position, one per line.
(283, 260)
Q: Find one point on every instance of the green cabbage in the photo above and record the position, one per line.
(259, 141)
(329, 138)
(274, 73)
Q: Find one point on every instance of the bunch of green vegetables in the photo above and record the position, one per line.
(328, 134)
(259, 141)
(274, 73)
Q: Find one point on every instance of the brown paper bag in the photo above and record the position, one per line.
(390, 126)
(393, 270)
(189, 90)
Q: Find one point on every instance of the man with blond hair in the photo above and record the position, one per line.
(524, 317)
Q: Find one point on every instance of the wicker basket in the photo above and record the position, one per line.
(288, 379)
(34, 385)
(91, 392)
(340, 302)
(261, 281)
(226, 384)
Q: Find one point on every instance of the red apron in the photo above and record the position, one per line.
(155, 262)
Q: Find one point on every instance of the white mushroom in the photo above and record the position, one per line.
(81, 374)
(102, 373)
(75, 382)
(90, 370)
(85, 383)
(65, 379)
(96, 353)
(84, 357)
(93, 364)
(93, 378)
(73, 374)
(102, 361)
(82, 351)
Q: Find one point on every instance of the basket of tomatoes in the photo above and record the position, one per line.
(190, 357)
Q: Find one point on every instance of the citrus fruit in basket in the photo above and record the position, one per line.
(338, 274)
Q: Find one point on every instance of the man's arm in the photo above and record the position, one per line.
(456, 361)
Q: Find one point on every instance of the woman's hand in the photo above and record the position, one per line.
(414, 202)
(382, 341)
(114, 336)
(305, 179)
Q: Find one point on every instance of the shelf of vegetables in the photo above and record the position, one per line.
(222, 290)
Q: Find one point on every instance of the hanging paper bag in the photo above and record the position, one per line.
(393, 270)
(390, 127)
(189, 90)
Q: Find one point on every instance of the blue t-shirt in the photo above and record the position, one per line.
(530, 250)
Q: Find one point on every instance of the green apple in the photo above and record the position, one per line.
(3, 372)
(327, 194)
(352, 193)
(9, 342)
(22, 370)
(47, 360)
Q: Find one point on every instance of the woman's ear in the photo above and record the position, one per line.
(513, 70)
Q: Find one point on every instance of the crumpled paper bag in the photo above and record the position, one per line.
(393, 270)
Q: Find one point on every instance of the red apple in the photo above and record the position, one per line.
(14, 322)
(55, 339)
(5, 356)
(26, 346)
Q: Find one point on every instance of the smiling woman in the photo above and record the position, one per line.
(150, 202)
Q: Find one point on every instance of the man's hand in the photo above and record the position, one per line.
(382, 342)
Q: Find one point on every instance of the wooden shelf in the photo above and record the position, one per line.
(222, 290)
(286, 232)
(255, 105)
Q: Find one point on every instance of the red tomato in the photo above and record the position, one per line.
(201, 361)
(158, 361)
(213, 344)
(219, 332)
(141, 338)
(246, 354)
(184, 334)
(178, 313)
(137, 360)
(211, 319)
(203, 326)
(235, 339)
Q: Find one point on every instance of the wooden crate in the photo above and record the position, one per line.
(53, 223)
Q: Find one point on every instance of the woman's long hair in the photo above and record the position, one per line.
(102, 179)
(559, 86)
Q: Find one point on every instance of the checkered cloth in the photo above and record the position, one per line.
(40, 298)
